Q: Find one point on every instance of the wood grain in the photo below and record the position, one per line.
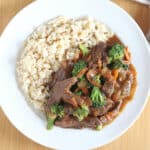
(137, 137)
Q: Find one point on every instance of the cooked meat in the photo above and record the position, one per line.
(62, 74)
(108, 88)
(66, 95)
(102, 110)
(116, 95)
(122, 75)
(61, 90)
(90, 122)
(105, 119)
(68, 109)
(95, 55)
(126, 86)
(70, 122)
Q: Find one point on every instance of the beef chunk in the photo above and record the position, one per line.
(71, 122)
(103, 109)
(62, 74)
(61, 90)
(126, 86)
(105, 119)
(108, 88)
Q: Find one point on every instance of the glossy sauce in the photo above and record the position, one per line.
(133, 88)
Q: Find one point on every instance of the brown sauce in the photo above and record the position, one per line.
(133, 89)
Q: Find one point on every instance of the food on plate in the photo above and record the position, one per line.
(77, 71)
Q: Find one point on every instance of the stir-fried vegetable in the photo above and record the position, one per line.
(84, 49)
(116, 52)
(97, 97)
(50, 121)
(58, 110)
(81, 113)
(117, 64)
(78, 67)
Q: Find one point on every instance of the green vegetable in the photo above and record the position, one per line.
(50, 120)
(116, 52)
(78, 67)
(84, 49)
(50, 123)
(117, 64)
(97, 78)
(79, 93)
(97, 97)
(99, 127)
(57, 110)
(81, 113)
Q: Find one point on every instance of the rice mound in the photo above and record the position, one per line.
(49, 44)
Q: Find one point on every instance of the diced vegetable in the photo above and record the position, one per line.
(116, 52)
(97, 97)
(117, 64)
(81, 113)
(57, 110)
(115, 73)
(78, 67)
(84, 49)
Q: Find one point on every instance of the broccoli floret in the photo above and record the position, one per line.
(78, 67)
(81, 113)
(57, 110)
(84, 49)
(117, 64)
(97, 98)
(50, 121)
(116, 52)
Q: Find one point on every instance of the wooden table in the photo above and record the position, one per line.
(136, 138)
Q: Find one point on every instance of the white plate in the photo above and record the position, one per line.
(12, 101)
